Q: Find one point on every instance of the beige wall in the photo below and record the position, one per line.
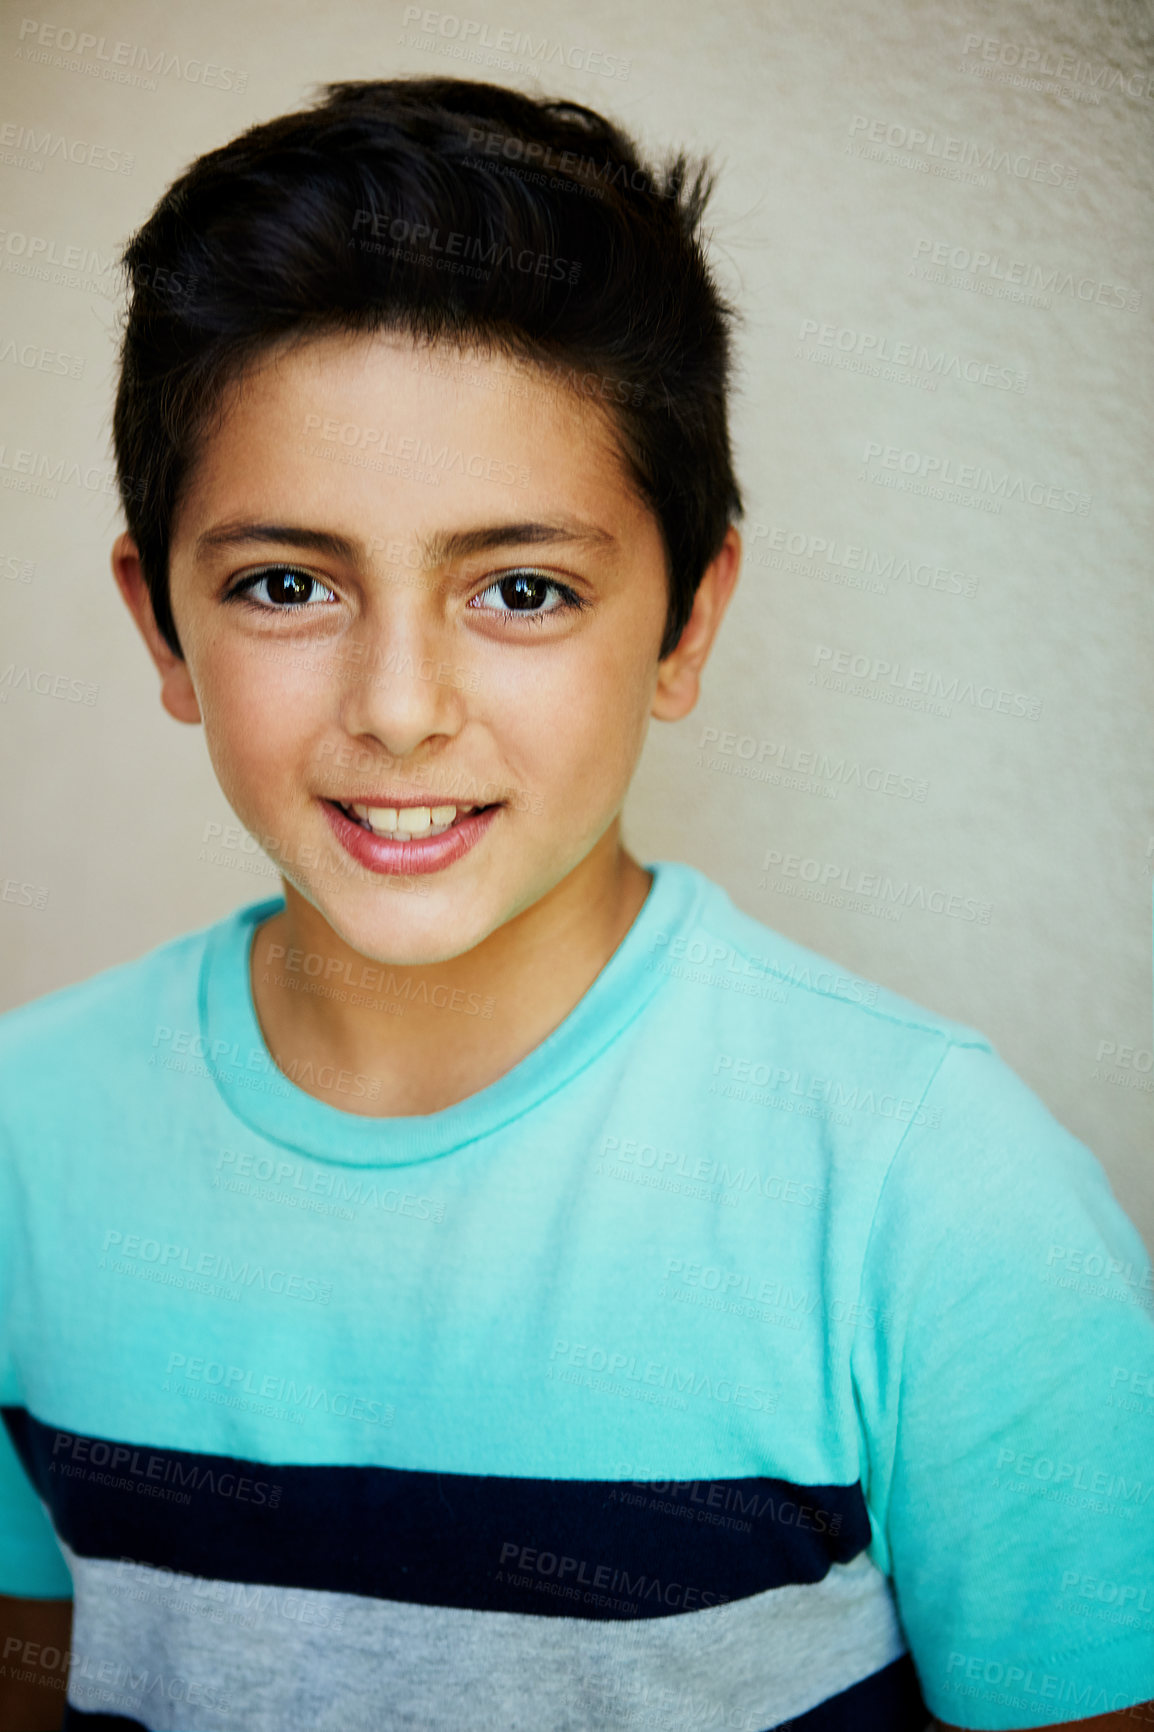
(838, 128)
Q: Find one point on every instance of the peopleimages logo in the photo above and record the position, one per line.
(46, 684)
(44, 43)
(118, 1247)
(47, 467)
(417, 243)
(240, 1379)
(35, 358)
(794, 549)
(45, 145)
(409, 448)
(606, 1578)
(1039, 63)
(827, 766)
(1035, 1686)
(918, 356)
(140, 1466)
(1018, 276)
(870, 675)
(474, 34)
(717, 954)
(613, 1370)
(52, 261)
(942, 149)
(976, 478)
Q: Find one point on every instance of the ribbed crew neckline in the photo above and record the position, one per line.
(266, 1100)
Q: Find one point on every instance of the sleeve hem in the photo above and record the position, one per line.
(1085, 1650)
(982, 1711)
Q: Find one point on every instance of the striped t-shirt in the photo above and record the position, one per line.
(757, 1352)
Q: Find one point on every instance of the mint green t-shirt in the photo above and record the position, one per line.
(758, 1350)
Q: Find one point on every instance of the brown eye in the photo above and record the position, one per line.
(286, 589)
(524, 592)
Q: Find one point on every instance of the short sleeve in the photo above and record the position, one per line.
(1007, 1402)
(32, 1565)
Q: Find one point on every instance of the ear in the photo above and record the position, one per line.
(679, 675)
(176, 688)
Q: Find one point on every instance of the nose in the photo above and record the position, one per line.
(400, 685)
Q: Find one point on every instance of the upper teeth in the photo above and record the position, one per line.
(409, 820)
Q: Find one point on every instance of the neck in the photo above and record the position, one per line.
(429, 1036)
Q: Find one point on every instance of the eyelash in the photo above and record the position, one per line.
(570, 601)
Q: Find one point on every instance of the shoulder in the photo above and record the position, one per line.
(988, 1171)
(83, 1028)
(743, 960)
(992, 1210)
(959, 1136)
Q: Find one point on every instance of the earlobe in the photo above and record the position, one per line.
(678, 686)
(177, 693)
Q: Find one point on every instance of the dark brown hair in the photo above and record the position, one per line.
(325, 220)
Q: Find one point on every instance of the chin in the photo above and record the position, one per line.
(408, 933)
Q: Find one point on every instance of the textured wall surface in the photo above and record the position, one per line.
(924, 742)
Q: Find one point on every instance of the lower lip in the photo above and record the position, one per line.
(419, 854)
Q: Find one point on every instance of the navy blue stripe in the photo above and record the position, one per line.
(889, 1701)
(483, 1542)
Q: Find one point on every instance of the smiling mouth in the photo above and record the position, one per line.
(408, 823)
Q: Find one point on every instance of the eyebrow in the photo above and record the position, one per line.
(435, 549)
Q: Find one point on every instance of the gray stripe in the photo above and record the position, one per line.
(185, 1654)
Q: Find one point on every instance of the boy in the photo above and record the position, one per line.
(496, 1284)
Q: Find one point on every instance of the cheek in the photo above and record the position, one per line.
(577, 727)
(256, 712)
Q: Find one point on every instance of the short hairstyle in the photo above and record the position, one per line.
(325, 220)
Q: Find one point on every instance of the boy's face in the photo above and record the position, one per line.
(405, 668)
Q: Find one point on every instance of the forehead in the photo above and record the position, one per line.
(406, 430)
